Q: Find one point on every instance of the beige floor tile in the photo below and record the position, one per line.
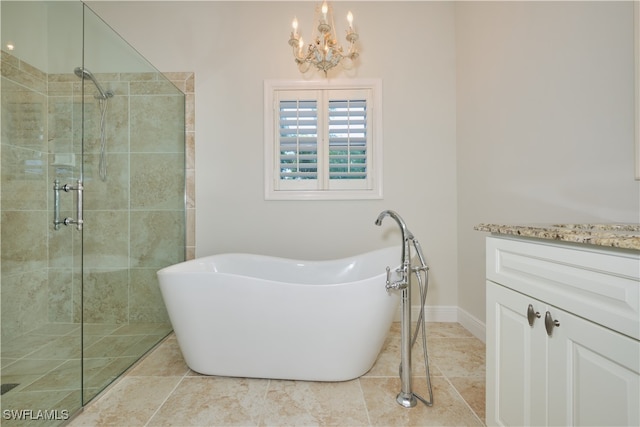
(63, 377)
(131, 402)
(472, 390)
(30, 367)
(25, 345)
(64, 347)
(213, 401)
(302, 403)
(34, 401)
(111, 346)
(388, 361)
(143, 329)
(448, 408)
(101, 329)
(58, 329)
(447, 330)
(46, 365)
(165, 360)
(457, 372)
(458, 357)
(101, 376)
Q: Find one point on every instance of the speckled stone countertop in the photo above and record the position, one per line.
(626, 236)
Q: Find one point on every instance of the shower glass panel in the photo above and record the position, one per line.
(134, 203)
(81, 110)
(40, 266)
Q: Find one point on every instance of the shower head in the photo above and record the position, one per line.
(83, 73)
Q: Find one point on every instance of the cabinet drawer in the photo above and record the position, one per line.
(597, 284)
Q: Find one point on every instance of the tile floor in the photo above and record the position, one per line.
(45, 364)
(161, 390)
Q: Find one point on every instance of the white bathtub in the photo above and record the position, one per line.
(245, 315)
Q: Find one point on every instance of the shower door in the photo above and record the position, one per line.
(134, 202)
(41, 258)
(92, 197)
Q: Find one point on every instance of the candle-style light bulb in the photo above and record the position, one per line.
(294, 24)
(325, 9)
(350, 19)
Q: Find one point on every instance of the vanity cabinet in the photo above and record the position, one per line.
(563, 330)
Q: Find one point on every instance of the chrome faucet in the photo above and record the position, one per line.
(406, 234)
(405, 270)
(405, 397)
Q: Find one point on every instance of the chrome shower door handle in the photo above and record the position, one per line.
(56, 204)
(79, 188)
(56, 199)
(80, 191)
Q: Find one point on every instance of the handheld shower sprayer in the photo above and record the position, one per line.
(102, 96)
(83, 73)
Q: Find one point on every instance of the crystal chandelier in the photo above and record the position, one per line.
(324, 52)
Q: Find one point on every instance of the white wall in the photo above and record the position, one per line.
(544, 121)
(493, 112)
(234, 46)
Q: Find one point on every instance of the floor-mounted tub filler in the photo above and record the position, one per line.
(406, 397)
(244, 315)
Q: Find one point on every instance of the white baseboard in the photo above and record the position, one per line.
(448, 313)
(472, 324)
(432, 313)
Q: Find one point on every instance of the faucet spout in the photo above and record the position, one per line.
(406, 234)
(406, 237)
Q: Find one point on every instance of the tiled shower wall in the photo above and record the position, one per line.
(25, 219)
(185, 81)
(41, 125)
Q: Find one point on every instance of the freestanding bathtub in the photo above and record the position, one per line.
(244, 315)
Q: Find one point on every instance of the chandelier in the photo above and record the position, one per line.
(324, 53)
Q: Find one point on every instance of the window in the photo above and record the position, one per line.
(322, 141)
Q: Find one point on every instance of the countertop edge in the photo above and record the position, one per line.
(614, 235)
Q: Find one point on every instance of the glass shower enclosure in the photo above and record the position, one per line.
(92, 204)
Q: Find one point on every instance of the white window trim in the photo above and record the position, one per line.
(271, 164)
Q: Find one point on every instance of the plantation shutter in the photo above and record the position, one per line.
(298, 142)
(348, 139)
(323, 144)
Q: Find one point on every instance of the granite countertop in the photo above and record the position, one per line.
(626, 236)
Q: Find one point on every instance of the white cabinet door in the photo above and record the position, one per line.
(586, 370)
(593, 374)
(516, 360)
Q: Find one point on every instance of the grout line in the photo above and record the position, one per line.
(464, 400)
(364, 401)
(166, 398)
